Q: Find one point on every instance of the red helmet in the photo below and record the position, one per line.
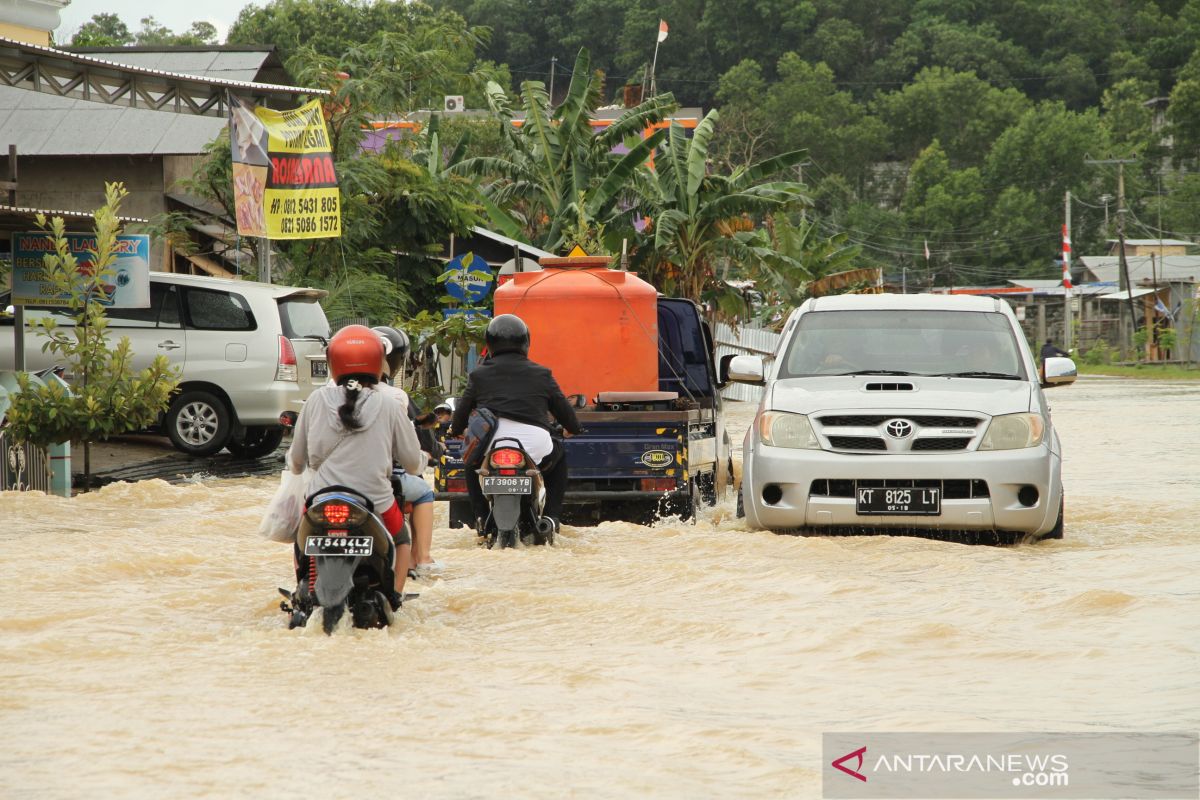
(355, 350)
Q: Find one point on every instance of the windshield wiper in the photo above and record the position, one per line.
(978, 374)
(876, 372)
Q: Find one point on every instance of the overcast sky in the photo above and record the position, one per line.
(175, 14)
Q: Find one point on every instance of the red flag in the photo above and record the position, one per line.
(662, 29)
(1066, 259)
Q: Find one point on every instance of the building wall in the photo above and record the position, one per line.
(76, 183)
(10, 30)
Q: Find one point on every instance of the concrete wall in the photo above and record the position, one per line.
(76, 183)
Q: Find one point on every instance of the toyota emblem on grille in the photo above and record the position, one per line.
(899, 428)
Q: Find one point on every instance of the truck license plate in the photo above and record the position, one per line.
(911, 501)
(493, 484)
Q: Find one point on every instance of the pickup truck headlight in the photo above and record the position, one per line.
(1013, 432)
(781, 429)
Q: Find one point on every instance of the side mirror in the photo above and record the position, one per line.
(744, 369)
(1058, 371)
(723, 370)
(577, 401)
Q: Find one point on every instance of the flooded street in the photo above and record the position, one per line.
(142, 652)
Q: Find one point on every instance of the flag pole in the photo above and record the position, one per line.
(653, 66)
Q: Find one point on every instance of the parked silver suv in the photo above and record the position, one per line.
(247, 352)
(903, 414)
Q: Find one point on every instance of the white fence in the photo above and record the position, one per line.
(746, 340)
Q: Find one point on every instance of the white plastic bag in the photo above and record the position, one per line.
(283, 512)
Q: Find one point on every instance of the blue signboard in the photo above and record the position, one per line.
(469, 313)
(472, 279)
(127, 286)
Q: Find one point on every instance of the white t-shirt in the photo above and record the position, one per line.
(534, 439)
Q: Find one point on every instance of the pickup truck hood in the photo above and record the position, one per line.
(849, 392)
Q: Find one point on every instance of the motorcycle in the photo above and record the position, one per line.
(516, 495)
(345, 559)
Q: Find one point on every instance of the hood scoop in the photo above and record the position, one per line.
(890, 387)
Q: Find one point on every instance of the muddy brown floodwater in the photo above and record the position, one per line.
(142, 653)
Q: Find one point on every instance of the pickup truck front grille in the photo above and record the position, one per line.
(952, 489)
(857, 443)
(919, 433)
(942, 444)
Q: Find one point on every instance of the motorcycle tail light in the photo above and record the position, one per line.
(336, 513)
(507, 457)
(658, 484)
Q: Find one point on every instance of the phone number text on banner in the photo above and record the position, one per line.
(285, 186)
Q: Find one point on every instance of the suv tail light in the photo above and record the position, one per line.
(507, 457)
(286, 369)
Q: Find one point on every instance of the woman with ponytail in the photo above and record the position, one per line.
(350, 436)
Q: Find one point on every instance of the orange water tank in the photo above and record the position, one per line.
(595, 328)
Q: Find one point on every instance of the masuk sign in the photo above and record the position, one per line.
(470, 278)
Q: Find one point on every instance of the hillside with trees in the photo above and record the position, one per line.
(953, 127)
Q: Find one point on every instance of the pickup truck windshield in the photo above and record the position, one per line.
(970, 344)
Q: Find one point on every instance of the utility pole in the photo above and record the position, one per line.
(1124, 284)
(18, 310)
(553, 64)
(1066, 254)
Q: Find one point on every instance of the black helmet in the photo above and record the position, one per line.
(507, 333)
(395, 346)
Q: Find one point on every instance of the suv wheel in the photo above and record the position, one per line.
(198, 423)
(257, 441)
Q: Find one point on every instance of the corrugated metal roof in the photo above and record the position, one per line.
(111, 64)
(47, 125)
(30, 213)
(1165, 268)
(241, 65)
(1154, 242)
(1124, 295)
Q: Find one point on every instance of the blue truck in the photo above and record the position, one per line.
(642, 454)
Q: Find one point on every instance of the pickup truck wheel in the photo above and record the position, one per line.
(198, 423)
(256, 442)
(1057, 531)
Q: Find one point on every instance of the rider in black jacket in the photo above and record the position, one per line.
(517, 389)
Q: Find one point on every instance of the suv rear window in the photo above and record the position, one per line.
(303, 318)
(217, 311)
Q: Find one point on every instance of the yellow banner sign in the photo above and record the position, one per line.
(284, 184)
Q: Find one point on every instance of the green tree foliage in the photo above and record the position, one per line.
(556, 171)
(106, 396)
(108, 30)
(961, 111)
(102, 30)
(700, 218)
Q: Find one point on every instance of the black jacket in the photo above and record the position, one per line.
(513, 387)
(1050, 351)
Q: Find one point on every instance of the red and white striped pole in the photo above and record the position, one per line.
(1066, 253)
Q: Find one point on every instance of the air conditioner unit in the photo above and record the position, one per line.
(453, 102)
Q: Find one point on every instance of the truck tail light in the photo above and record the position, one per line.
(658, 484)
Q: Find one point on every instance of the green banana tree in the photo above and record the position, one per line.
(702, 223)
(559, 173)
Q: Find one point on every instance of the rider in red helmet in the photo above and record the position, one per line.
(350, 434)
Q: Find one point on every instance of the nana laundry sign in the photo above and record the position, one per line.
(125, 284)
(284, 182)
